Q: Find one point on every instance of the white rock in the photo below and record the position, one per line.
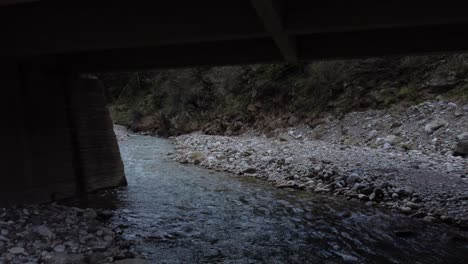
(131, 261)
(434, 125)
(59, 248)
(44, 231)
(16, 250)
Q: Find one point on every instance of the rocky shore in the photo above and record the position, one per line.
(59, 234)
(424, 180)
(121, 133)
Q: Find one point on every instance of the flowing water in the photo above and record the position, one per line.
(186, 214)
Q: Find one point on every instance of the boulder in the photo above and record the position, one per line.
(435, 125)
(353, 178)
(392, 139)
(196, 157)
(285, 137)
(461, 149)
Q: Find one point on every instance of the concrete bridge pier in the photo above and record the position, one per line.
(57, 134)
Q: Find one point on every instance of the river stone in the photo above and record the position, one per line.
(285, 137)
(405, 209)
(435, 125)
(131, 261)
(391, 139)
(59, 248)
(462, 144)
(64, 258)
(16, 250)
(250, 170)
(362, 196)
(353, 178)
(44, 231)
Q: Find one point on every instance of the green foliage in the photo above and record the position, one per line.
(209, 92)
(459, 93)
(121, 114)
(409, 92)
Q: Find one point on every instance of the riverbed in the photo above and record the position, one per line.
(180, 213)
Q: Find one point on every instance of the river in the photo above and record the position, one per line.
(186, 214)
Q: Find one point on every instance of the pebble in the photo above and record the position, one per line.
(59, 248)
(16, 250)
(41, 232)
(405, 209)
(353, 178)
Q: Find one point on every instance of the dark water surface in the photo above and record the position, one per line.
(186, 214)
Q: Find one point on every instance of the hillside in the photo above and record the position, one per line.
(231, 100)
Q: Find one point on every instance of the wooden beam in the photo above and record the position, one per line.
(269, 13)
(90, 26)
(384, 42)
(14, 2)
(309, 17)
(230, 52)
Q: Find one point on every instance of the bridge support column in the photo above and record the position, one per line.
(57, 134)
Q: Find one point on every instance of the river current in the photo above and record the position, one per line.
(186, 214)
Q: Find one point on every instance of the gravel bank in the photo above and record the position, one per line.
(121, 133)
(428, 185)
(59, 235)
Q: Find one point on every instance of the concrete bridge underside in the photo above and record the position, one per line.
(58, 134)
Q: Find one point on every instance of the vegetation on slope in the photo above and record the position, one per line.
(231, 99)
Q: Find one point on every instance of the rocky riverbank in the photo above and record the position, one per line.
(413, 182)
(59, 234)
(121, 133)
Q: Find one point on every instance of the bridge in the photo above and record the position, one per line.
(57, 133)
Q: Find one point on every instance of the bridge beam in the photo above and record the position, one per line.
(269, 12)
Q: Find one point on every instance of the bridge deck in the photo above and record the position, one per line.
(140, 34)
